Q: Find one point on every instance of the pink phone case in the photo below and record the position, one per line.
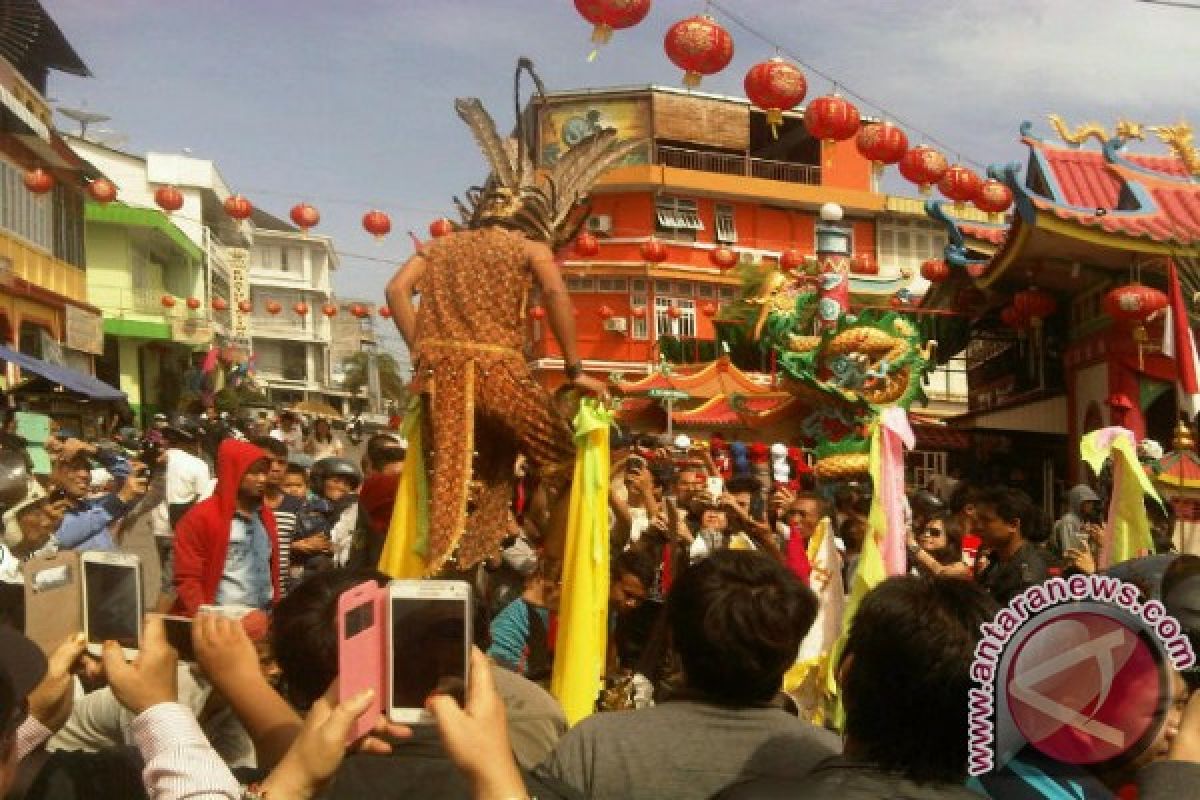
(361, 655)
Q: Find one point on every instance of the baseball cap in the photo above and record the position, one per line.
(23, 666)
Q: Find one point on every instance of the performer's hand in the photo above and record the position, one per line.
(592, 386)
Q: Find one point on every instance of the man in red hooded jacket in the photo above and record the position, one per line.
(226, 547)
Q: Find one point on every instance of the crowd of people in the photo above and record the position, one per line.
(713, 589)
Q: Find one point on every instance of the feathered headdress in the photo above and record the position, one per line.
(544, 204)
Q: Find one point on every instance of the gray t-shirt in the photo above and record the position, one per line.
(684, 750)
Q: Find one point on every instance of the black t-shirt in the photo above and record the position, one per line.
(1004, 580)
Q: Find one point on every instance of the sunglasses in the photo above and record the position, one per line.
(933, 532)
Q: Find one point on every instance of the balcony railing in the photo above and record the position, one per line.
(734, 164)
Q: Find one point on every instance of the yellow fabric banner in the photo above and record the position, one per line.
(407, 541)
(1127, 534)
(581, 647)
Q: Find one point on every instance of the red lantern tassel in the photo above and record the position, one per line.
(691, 79)
(774, 119)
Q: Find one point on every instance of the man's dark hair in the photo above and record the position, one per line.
(637, 563)
(737, 619)
(743, 483)
(1013, 505)
(296, 469)
(304, 632)
(663, 475)
(912, 643)
(383, 449)
(271, 445)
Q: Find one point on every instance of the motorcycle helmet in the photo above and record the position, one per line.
(332, 468)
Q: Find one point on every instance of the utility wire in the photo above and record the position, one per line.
(758, 34)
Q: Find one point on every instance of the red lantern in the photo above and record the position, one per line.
(358, 311)
(698, 46)
(709, 309)
(193, 303)
(586, 245)
(1014, 318)
(168, 198)
(238, 207)
(831, 118)
(219, 304)
(605, 312)
(274, 307)
(960, 184)
(441, 227)
(168, 301)
(654, 251)
(1035, 304)
(329, 310)
(791, 260)
(723, 258)
(102, 190)
(1134, 304)
(377, 223)
(610, 15)
(305, 216)
(993, 197)
(935, 270)
(638, 312)
(673, 312)
(537, 312)
(300, 308)
(775, 86)
(39, 181)
(882, 144)
(923, 166)
(385, 312)
(245, 306)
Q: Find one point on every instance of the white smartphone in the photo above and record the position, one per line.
(429, 645)
(112, 600)
(716, 487)
(232, 612)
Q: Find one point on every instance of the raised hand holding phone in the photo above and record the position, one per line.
(429, 642)
(112, 600)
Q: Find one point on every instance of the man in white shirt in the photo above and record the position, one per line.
(290, 433)
(188, 480)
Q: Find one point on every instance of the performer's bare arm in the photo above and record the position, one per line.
(399, 294)
(558, 311)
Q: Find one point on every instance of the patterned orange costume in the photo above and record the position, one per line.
(477, 392)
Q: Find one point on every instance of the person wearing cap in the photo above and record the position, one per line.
(186, 481)
(290, 433)
(87, 522)
(226, 547)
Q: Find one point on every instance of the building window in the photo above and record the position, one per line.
(683, 326)
(639, 327)
(26, 214)
(727, 293)
(705, 291)
(677, 218)
(726, 232)
(31, 336)
(905, 244)
(574, 284)
(295, 361)
(638, 285)
(612, 285)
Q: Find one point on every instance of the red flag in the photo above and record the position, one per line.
(1179, 343)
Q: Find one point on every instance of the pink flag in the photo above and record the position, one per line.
(895, 436)
(1180, 344)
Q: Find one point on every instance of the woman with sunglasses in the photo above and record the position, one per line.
(937, 549)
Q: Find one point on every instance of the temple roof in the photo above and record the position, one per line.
(1179, 468)
(1142, 196)
(710, 380)
(737, 411)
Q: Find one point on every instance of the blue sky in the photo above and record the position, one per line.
(348, 105)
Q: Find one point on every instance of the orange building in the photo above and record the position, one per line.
(712, 175)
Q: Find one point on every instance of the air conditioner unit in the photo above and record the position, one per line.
(752, 259)
(599, 223)
(616, 324)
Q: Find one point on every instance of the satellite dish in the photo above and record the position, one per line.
(83, 117)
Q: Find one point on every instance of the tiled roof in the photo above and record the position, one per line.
(715, 378)
(987, 233)
(1179, 468)
(1168, 200)
(745, 412)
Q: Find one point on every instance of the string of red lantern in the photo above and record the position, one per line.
(377, 223)
(238, 207)
(775, 86)
(305, 216)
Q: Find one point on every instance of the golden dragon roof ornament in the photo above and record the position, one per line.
(1125, 130)
(1181, 139)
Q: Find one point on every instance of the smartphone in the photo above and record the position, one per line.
(53, 605)
(361, 618)
(112, 600)
(429, 645)
(716, 487)
(179, 636)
